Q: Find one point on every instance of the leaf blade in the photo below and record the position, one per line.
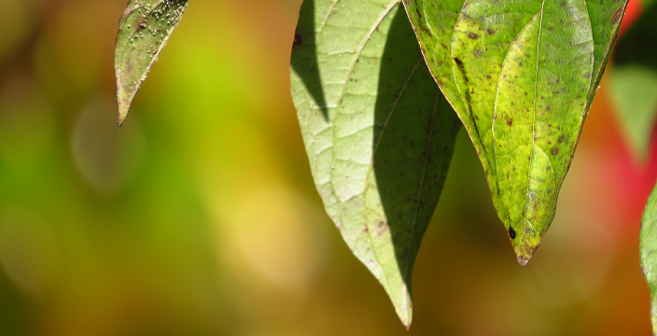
(379, 137)
(633, 83)
(521, 77)
(144, 30)
(648, 251)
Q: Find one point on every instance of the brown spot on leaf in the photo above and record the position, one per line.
(141, 25)
(298, 40)
(618, 14)
(473, 36)
(381, 228)
(512, 232)
(554, 150)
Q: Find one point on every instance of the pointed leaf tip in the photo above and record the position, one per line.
(407, 322)
(523, 260)
(405, 313)
(522, 85)
(124, 104)
(525, 242)
(144, 29)
(524, 254)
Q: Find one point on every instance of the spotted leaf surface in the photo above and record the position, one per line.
(378, 133)
(144, 30)
(649, 251)
(521, 76)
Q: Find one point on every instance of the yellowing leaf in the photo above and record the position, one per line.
(521, 76)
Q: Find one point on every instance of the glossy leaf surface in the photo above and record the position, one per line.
(521, 76)
(378, 133)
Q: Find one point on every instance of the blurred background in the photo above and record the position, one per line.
(199, 216)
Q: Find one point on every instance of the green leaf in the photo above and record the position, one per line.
(649, 251)
(633, 80)
(521, 76)
(143, 32)
(378, 133)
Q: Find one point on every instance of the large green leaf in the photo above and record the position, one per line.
(143, 32)
(521, 76)
(649, 251)
(378, 133)
(633, 80)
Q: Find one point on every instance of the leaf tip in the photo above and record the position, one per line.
(524, 252)
(124, 101)
(523, 260)
(406, 317)
(123, 115)
(403, 304)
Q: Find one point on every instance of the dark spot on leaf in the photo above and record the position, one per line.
(512, 232)
(509, 122)
(617, 15)
(298, 40)
(554, 150)
(562, 138)
(461, 67)
(477, 53)
(381, 228)
(490, 31)
(473, 36)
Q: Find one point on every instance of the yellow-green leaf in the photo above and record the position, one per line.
(378, 133)
(521, 76)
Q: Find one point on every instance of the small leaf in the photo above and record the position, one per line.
(633, 80)
(378, 133)
(144, 30)
(649, 251)
(521, 75)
